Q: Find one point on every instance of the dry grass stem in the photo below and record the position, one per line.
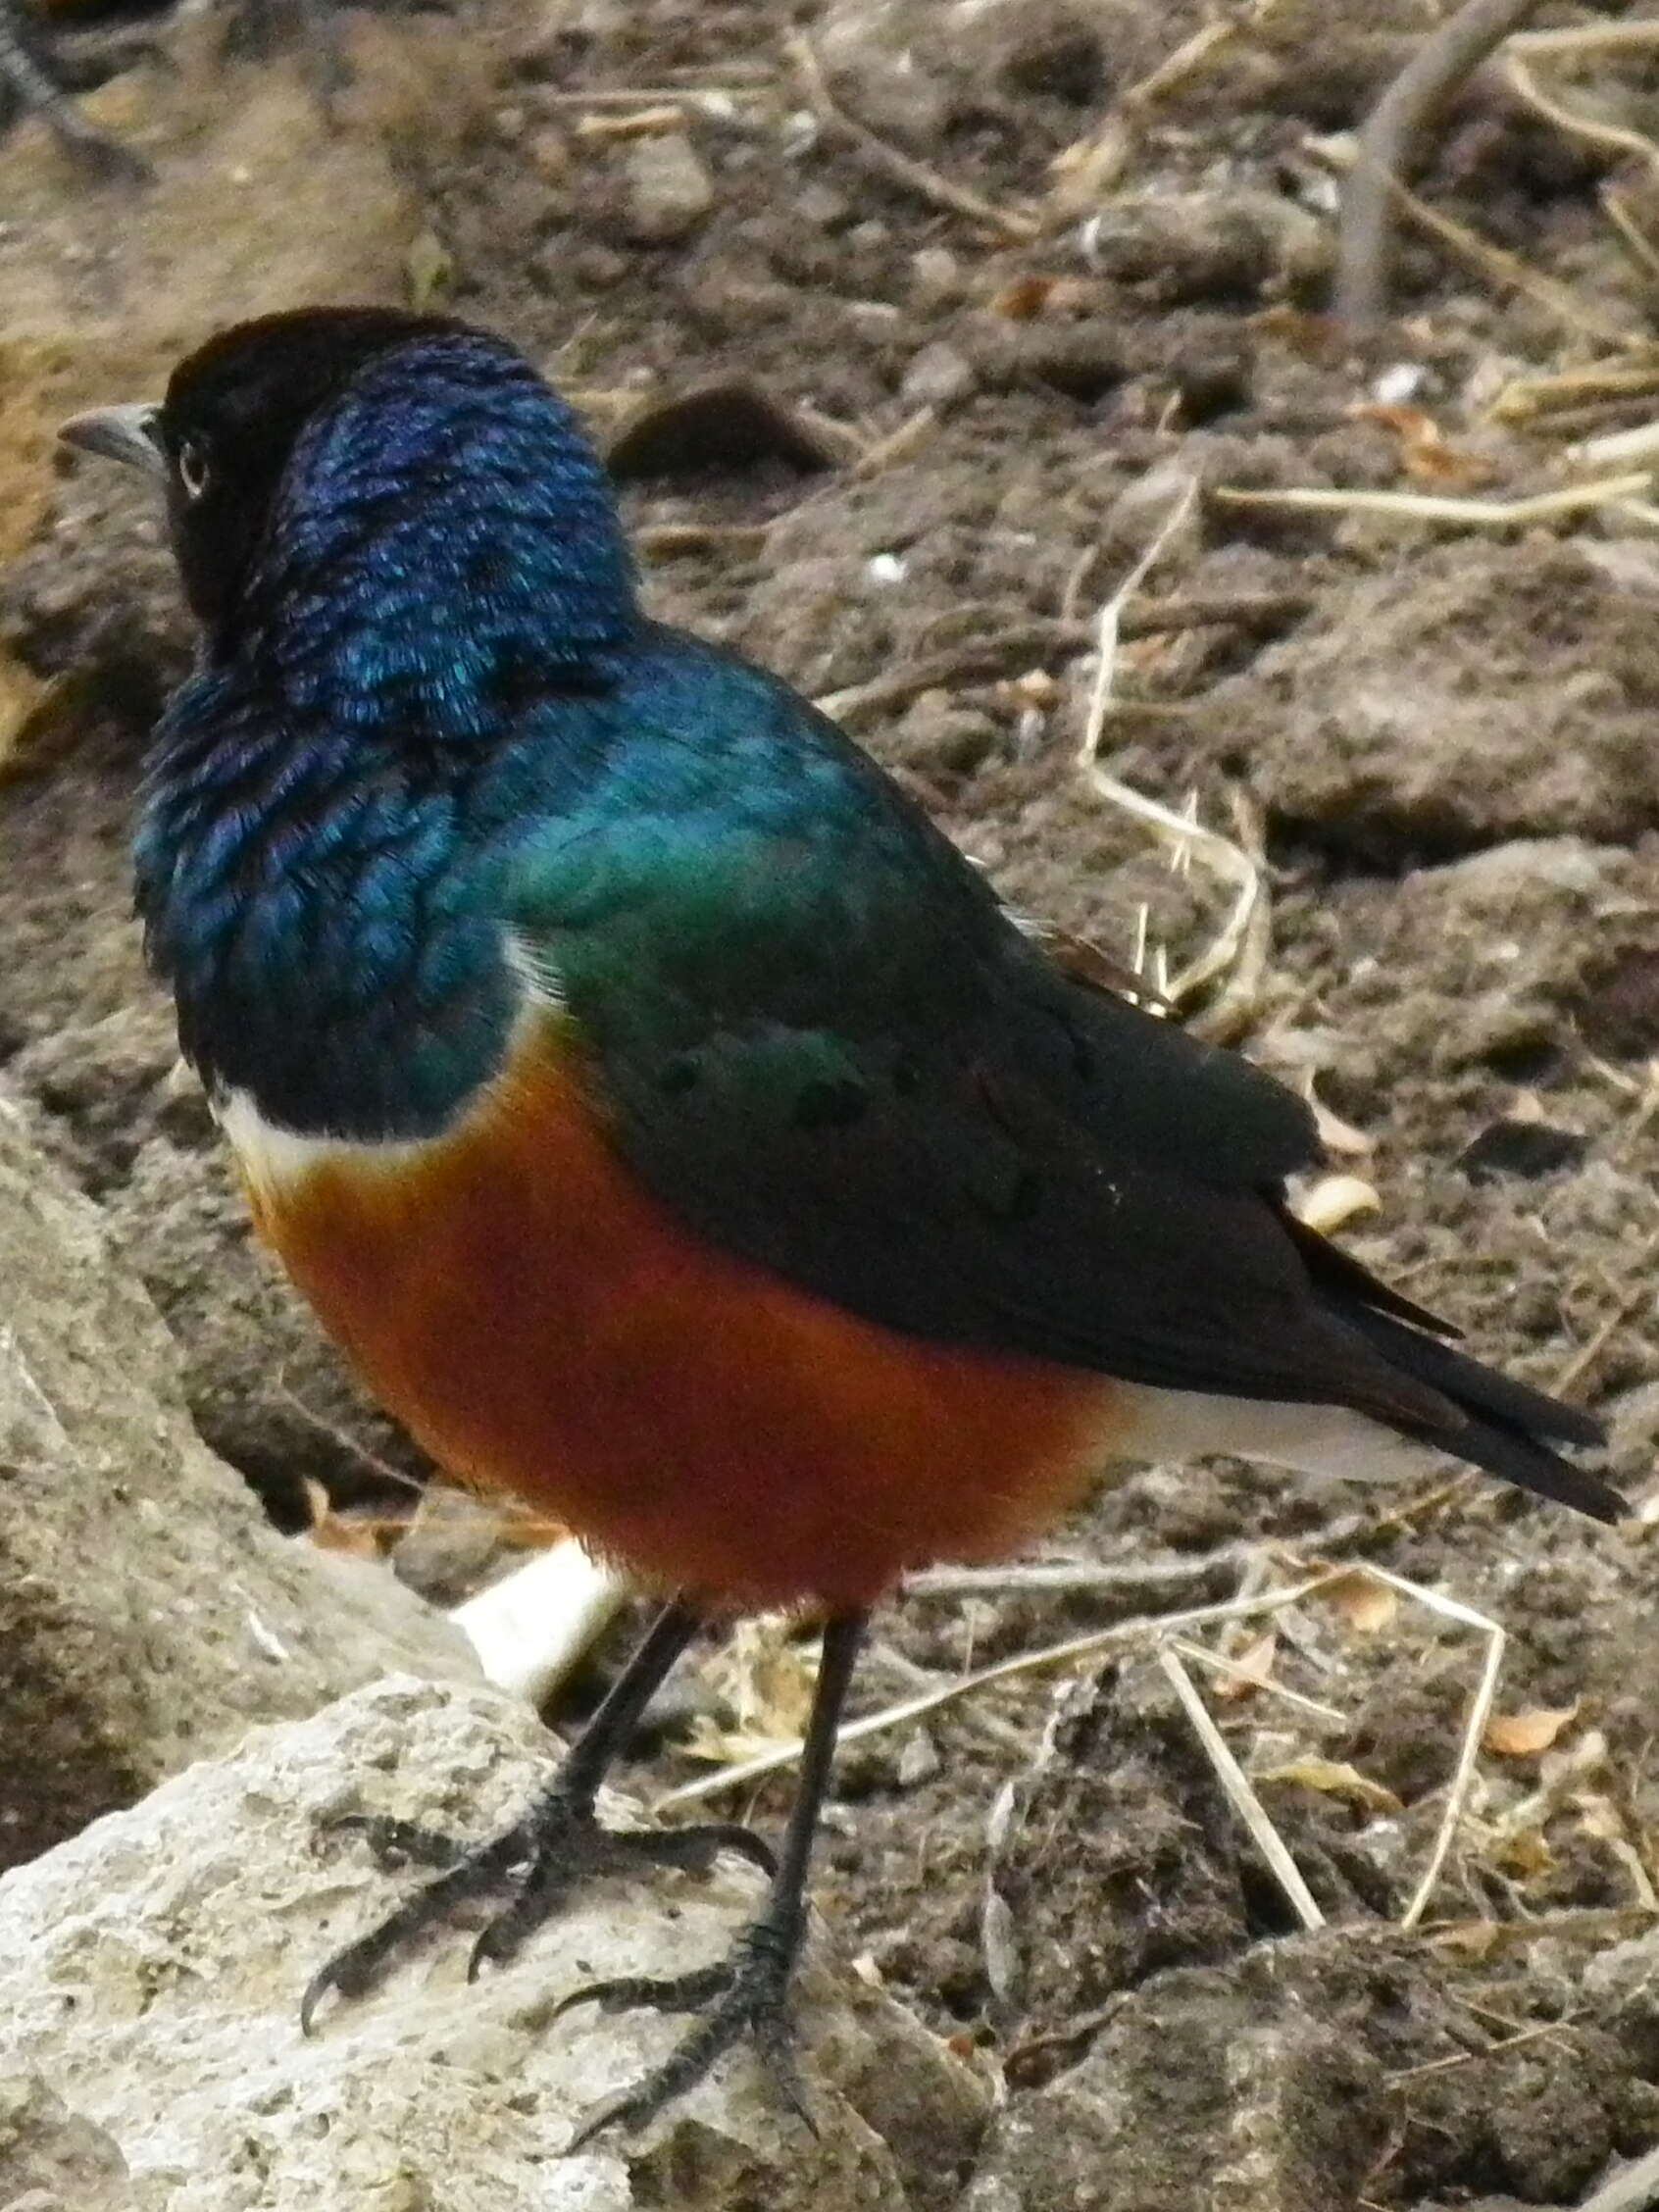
(1244, 929)
(1534, 400)
(1570, 308)
(1577, 314)
(1632, 2190)
(666, 541)
(903, 169)
(351, 1445)
(637, 123)
(1038, 1575)
(1474, 2057)
(1244, 1799)
(1475, 1728)
(682, 96)
(898, 444)
(1575, 1369)
(1631, 234)
(1617, 449)
(1032, 645)
(1239, 949)
(1225, 859)
(1217, 1663)
(1179, 66)
(1047, 1657)
(1108, 622)
(1607, 137)
(1439, 507)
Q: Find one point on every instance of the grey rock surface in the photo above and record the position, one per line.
(148, 1614)
(151, 1969)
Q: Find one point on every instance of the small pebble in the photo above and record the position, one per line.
(935, 376)
(668, 189)
(936, 277)
(919, 1761)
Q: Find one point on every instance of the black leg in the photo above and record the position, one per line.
(31, 87)
(557, 1846)
(747, 1992)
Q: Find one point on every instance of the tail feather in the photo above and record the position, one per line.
(1505, 1423)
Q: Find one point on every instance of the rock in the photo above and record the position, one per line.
(1221, 2088)
(936, 376)
(1473, 693)
(878, 55)
(151, 1970)
(1238, 245)
(147, 1611)
(53, 2158)
(936, 277)
(1487, 962)
(668, 190)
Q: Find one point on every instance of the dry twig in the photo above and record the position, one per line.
(1245, 1803)
(903, 169)
(1632, 2190)
(1025, 645)
(1445, 57)
(1443, 507)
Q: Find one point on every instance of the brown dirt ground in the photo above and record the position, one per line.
(1444, 737)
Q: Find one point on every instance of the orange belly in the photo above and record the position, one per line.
(542, 1325)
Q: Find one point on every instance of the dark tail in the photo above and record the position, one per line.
(1507, 1427)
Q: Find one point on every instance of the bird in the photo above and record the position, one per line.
(674, 1126)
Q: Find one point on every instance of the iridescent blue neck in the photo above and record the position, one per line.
(443, 542)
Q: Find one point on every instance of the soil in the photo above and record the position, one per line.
(1441, 734)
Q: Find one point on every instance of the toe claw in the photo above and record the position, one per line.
(619, 2111)
(316, 1990)
(615, 1995)
(629, 1992)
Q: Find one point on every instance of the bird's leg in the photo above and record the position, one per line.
(745, 1995)
(313, 28)
(543, 1857)
(33, 89)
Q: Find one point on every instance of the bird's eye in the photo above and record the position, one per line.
(191, 463)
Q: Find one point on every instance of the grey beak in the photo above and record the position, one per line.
(120, 433)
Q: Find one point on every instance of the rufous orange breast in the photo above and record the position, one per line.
(542, 1325)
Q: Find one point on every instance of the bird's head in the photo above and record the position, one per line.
(376, 456)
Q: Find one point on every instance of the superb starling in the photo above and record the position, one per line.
(670, 1123)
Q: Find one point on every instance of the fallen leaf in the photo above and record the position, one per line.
(1525, 1853)
(1335, 1778)
(1336, 1134)
(1522, 1736)
(1335, 1199)
(359, 1535)
(428, 269)
(1425, 453)
(1365, 1603)
(1469, 1938)
(1249, 1669)
(1028, 296)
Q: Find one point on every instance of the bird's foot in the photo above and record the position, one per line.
(540, 1861)
(312, 30)
(744, 1997)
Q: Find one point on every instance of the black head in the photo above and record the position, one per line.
(223, 435)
